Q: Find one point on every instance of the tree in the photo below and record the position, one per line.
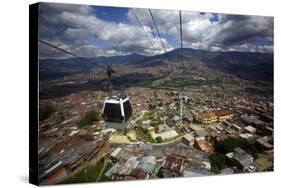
(144, 135)
(89, 118)
(217, 162)
(159, 139)
(229, 144)
(46, 112)
(151, 107)
(126, 130)
(215, 169)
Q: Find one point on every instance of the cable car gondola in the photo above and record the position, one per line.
(117, 111)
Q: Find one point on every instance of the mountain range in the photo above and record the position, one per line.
(247, 65)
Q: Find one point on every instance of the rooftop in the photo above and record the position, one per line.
(173, 163)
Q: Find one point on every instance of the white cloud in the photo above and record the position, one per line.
(76, 26)
(80, 27)
(201, 33)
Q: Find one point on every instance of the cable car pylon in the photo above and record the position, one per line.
(181, 92)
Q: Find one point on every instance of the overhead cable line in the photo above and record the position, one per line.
(154, 49)
(181, 40)
(158, 33)
(67, 52)
(108, 69)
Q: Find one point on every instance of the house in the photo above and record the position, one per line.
(177, 118)
(138, 174)
(172, 167)
(247, 136)
(114, 170)
(240, 158)
(202, 144)
(115, 153)
(181, 151)
(58, 176)
(188, 140)
(193, 172)
(214, 116)
(55, 171)
(148, 164)
(227, 171)
(218, 137)
(250, 129)
(207, 117)
(130, 164)
(223, 115)
(266, 142)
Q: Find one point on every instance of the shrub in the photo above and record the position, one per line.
(89, 118)
(46, 112)
(217, 162)
(159, 139)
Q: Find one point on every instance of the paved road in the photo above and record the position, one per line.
(163, 145)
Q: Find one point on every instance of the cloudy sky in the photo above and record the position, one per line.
(91, 31)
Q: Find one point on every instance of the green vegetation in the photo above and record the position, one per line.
(159, 139)
(89, 118)
(217, 162)
(148, 114)
(176, 83)
(139, 122)
(130, 139)
(230, 81)
(215, 169)
(107, 167)
(154, 123)
(179, 130)
(229, 144)
(264, 163)
(46, 112)
(216, 81)
(144, 135)
(125, 131)
(89, 173)
(143, 83)
(151, 107)
(151, 115)
(97, 129)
